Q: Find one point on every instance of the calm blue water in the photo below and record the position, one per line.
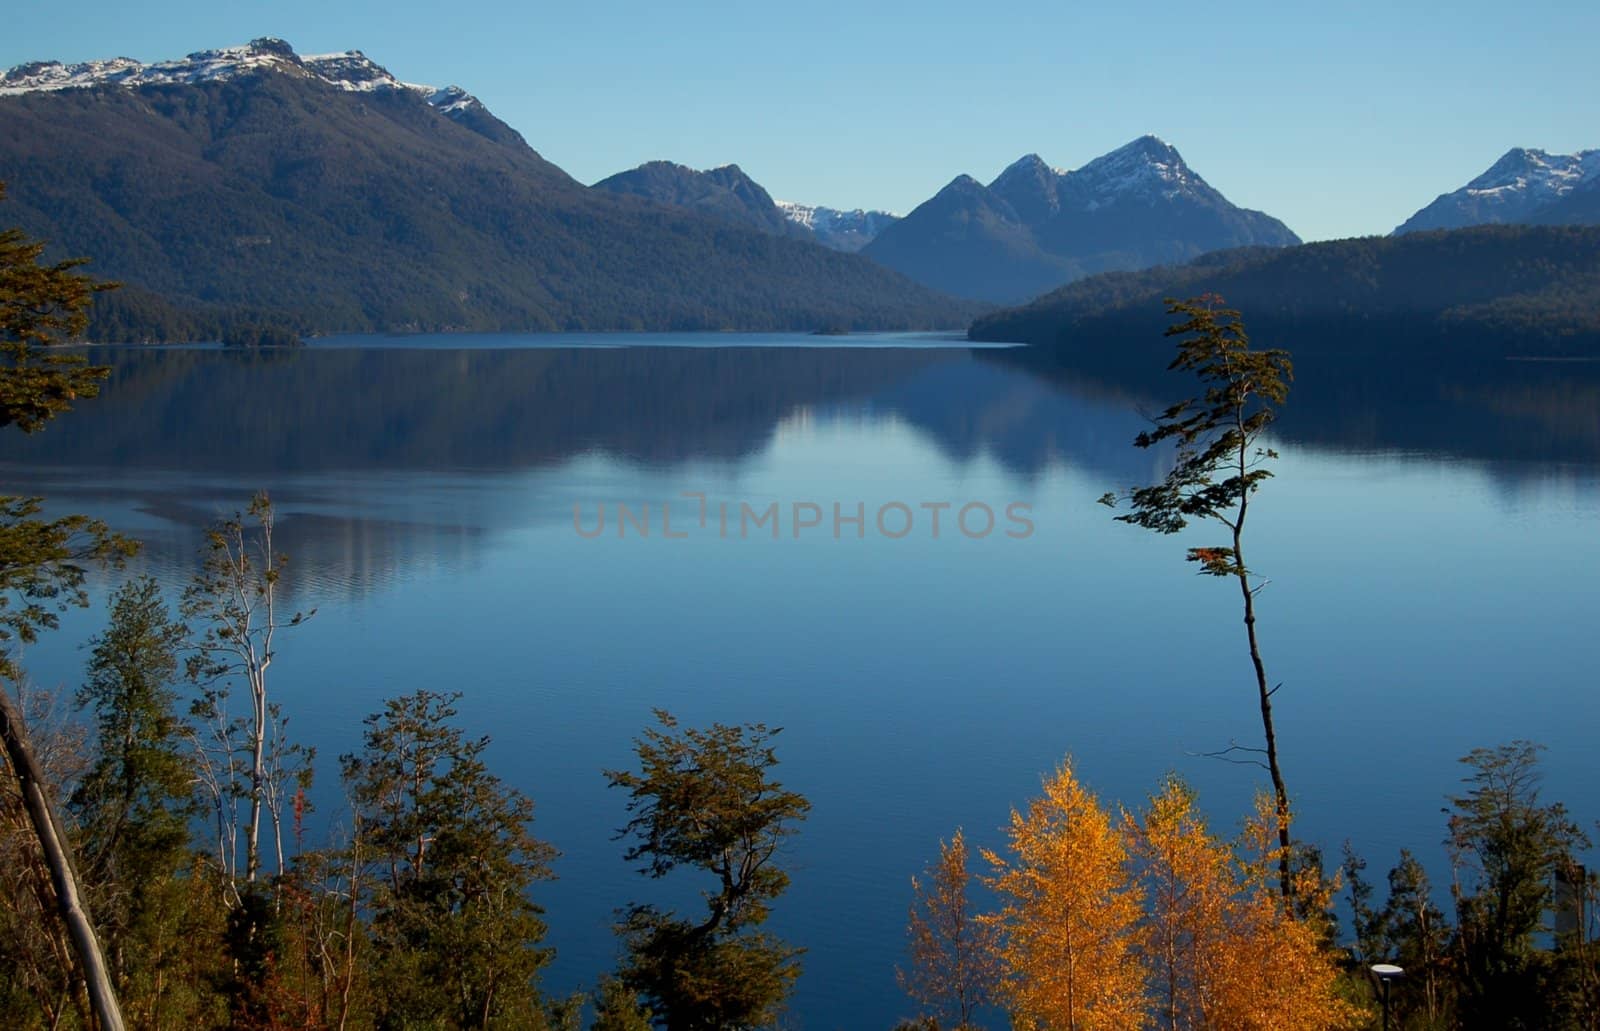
(1432, 550)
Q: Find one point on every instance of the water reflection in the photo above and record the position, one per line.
(382, 459)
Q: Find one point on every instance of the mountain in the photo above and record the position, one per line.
(253, 184)
(1518, 188)
(725, 193)
(841, 230)
(729, 194)
(1484, 291)
(1036, 227)
(1580, 206)
(969, 241)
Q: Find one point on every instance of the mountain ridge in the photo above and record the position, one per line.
(725, 192)
(1035, 227)
(265, 191)
(728, 192)
(1477, 290)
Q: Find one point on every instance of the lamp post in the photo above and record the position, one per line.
(1386, 972)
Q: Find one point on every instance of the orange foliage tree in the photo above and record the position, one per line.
(1148, 920)
(1070, 915)
(1185, 874)
(1224, 947)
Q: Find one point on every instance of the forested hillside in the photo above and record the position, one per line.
(1491, 290)
(277, 196)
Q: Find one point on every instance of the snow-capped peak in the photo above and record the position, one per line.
(1148, 169)
(1514, 188)
(1147, 165)
(1536, 171)
(350, 70)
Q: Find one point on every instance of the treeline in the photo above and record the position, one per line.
(187, 803)
(1486, 291)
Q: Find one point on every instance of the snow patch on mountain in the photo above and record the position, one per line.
(1148, 169)
(841, 230)
(350, 70)
(1536, 173)
(1514, 189)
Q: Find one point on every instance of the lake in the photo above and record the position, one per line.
(1431, 541)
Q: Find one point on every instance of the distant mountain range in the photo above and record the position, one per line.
(1526, 187)
(253, 185)
(1032, 229)
(1486, 291)
(1036, 227)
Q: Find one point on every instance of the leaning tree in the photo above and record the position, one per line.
(1219, 464)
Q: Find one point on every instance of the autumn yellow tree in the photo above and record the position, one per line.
(1070, 915)
(1188, 884)
(955, 964)
(1245, 959)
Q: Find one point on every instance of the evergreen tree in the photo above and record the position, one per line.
(617, 1008)
(43, 562)
(705, 799)
(455, 936)
(135, 801)
(1416, 937)
(1507, 848)
(41, 305)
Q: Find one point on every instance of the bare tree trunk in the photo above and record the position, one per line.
(1280, 794)
(347, 978)
(252, 841)
(58, 858)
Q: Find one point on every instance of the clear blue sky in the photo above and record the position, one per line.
(1341, 119)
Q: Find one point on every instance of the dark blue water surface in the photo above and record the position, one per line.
(1432, 541)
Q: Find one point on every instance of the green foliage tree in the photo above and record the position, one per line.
(135, 801)
(1416, 936)
(1218, 466)
(617, 1008)
(706, 800)
(1408, 930)
(41, 305)
(455, 937)
(1508, 848)
(43, 562)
